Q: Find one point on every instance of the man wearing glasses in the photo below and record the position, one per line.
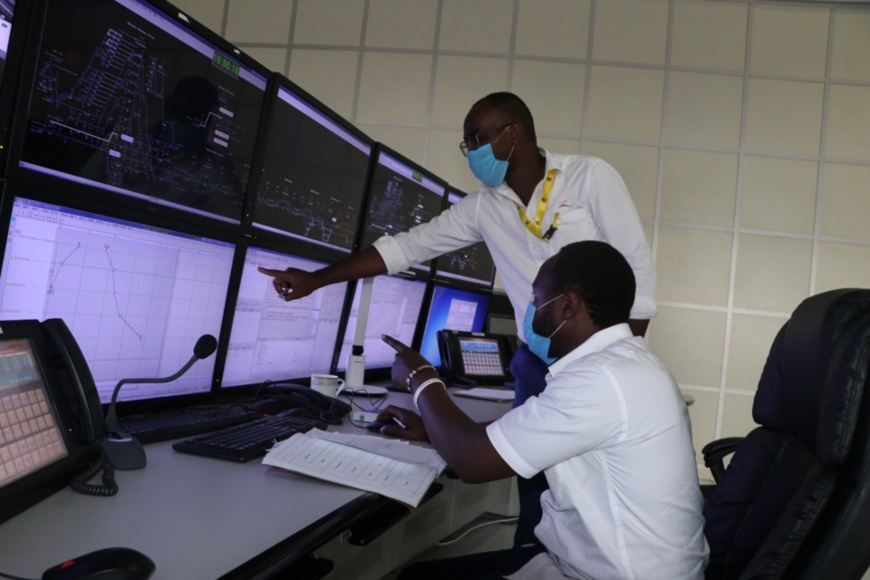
(531, 203)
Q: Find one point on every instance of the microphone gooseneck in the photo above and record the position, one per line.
(125, 451)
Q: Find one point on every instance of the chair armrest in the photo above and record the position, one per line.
(715, 453)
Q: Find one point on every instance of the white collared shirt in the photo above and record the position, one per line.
(592, 202)
(611, 432)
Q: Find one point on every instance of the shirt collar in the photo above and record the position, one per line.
(595, 343)
(553, 161)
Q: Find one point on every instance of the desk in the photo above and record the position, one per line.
(197, 517)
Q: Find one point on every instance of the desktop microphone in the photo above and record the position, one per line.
(356, 360)
(125, 451)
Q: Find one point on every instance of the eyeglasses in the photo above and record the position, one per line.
(471, 144)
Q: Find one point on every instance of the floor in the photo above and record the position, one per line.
(486, 533)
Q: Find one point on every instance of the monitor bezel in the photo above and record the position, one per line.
(29, 191)
(105, 195)
(277, 83)
(413, 272)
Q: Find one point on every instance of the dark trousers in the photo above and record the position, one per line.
(482, 566)
(529, 373)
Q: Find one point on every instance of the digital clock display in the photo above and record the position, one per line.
(226, 64)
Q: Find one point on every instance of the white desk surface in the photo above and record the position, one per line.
(194, 516)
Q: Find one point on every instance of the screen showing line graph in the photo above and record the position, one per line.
(135, 297)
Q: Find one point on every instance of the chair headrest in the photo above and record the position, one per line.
(816, 373)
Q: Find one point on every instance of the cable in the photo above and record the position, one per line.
(478, 526)
(109, 488)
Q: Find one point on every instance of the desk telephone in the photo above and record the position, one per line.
(469, 359)
(283, 396)
(48, 385)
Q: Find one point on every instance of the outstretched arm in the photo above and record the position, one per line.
(292, 283)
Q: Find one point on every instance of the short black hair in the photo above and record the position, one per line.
(600, 275)
(512, 109)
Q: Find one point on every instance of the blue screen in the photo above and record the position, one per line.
(454, 310)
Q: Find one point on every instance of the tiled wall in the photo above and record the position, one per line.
(741, 127)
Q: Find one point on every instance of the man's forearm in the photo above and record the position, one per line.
(365, 264)
(460, 441)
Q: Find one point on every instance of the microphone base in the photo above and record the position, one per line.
(124, 451)
(356, 370)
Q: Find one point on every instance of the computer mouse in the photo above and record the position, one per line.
(105, 564)
(376, 425)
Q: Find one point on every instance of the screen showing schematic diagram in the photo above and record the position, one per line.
(7, 13)
(313, 175)
(400, 197)
(272, 339)
(394, 309)
(136, 297)
(126, 99)
(472, 264)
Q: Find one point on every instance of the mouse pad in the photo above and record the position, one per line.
(364, 391)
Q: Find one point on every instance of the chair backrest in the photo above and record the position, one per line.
(794, 501)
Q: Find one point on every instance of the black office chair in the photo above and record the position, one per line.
(794, 501)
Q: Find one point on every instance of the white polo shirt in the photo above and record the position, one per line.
(592, 202)
(611, 432)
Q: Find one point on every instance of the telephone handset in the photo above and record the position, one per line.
(469, 359)
(292, 396)
(72, 365)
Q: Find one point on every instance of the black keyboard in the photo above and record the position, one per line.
(180, 423)
(249, 441)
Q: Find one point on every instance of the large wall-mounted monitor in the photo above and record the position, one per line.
(275, 340)
(471, 265)
(401, 195)
(394, 309)
(132, 102)
(136, 297)
(452, 309)
(14, 21)
(310, 176)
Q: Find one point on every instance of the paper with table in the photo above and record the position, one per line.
(385, 466)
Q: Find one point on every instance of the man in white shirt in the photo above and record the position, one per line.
(610, 431)
(531, 203)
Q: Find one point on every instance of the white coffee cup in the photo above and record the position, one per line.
(326, 384)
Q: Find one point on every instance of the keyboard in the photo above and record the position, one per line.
(180, 423)
(248, 441)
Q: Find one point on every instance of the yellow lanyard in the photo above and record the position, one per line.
(535, 226)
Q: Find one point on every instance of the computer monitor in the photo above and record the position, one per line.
(394, 309)
(310, 176)
(135, 99)
(135, 296)
(472, 265)
(14, 20)
(274, 340)
(401, 195)
(452, 309)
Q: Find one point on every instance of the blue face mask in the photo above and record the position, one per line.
(486, 167)
(539, 345)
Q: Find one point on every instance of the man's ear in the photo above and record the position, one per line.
(573, 304)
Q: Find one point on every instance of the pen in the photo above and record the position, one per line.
(400, 424)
